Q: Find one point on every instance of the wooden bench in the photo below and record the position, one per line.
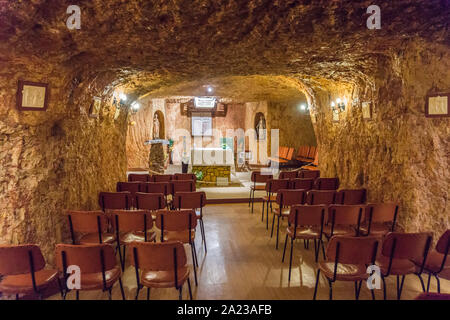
(314, 164)
(285, 154)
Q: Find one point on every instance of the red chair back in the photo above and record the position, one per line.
(273, 185)
(115, 200)
(156, 187)
(381, 212)
(287, 175)
(345, 215)
(183, 186)
(258, 177)
(353, 250)
(150, 201)
(306, 215)
(289, 197)
(185, 176)
(189, 200)
(309, 174)
(300, 183)
(161, 178)
(321, 197)
(15, 259)
(413, 246)
(351, 196)
(138, 177)
(327, 184)
(443, 243)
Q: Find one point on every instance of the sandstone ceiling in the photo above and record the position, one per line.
(149, 45)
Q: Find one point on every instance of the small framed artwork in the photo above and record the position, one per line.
(366, 108)
(94, 111)
(335, 116)
(32, 96)
(437, 105)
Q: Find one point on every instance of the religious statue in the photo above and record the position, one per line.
(261, 128)
(156, 127)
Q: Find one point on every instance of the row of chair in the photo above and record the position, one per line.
(306, 153)
(303, 174)
(284, 155)
(157, 265)
(141, 177)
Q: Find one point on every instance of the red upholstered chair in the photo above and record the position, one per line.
(258, 180)
(309, 174)
(288, 175)
(89, 227)
(131, 187)
(285, 199)
(161, 178)
(351, 196)
(343, 220)
(183, 186)
(398, 254)
(300, 183)
(160, 265)
(97, 262)
(185, 176)
(158, 187)
(179, 226)
(380, 218)
(327, 197)
(22, 270)
(150, 201)
(437, 261)
(138, 177)
(192, 200)
(326, 184)
(305, 222)
(115, 200)
(347, 260)
(130, 226)
(272, 187)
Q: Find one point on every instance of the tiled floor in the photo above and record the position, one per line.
(242, 263)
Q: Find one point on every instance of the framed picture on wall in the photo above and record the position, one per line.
(95, 107)
(366, 108)
(335, 116)
(437, 105)
(32, 96)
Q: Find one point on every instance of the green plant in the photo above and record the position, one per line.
(199, 175)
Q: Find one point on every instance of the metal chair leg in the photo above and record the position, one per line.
(317, 284)
(262, 213)
(148, 293)
(330, 284)
(421, 282)
(278, 232)
(284, 250)
(273, 224)
(189, 288)
(438, 283)
(180, 295)
(400, 287)
(290, 259)
(428, 282)
(384, 287)
(193, 263)
(121, 289)
(137, 292)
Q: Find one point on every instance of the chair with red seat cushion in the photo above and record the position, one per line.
(343, 220)
(23, 271)
(161, 178)
(160, 265)
(398, 253)
(272, 187)
(150, 201)
(288, 175)
(131, 187)
(138, 177)
(347, 260)
(309, 174)
(185, 176)
(129, 226)
(258, 180)
(379, 219)
(285, 199)
(305, 222)
(327, 197)
(158, 187)
(89, 227)
(300, 183)
(192, 200)
(437, 261)
(179, 226)
(351, 196)
(97, 263)
(183, 186)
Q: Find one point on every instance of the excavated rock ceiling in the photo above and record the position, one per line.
(182, 44)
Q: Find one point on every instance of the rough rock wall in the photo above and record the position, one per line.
(400, 154)
(55, 160)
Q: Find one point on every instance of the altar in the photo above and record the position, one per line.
(212, 165)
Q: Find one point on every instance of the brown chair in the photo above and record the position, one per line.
(115, 200)
(258, 180)
(327, 197)
(287, 175)
(89, 227)
(285, 199)
(326, 184)
(272, 187)
(138, 177)
(158, 187)
(22, 271)
(183, 186)
(300, 183)
(398, 253)
(185, 176)
(130, 226)
(347, 260)
(380, 218)
(436, 261)
(309, 174)
(160, 265)
(192, 200)
(351, 196)
(161, 178)
(305, 222)
(131, 187)
(97, 263)
(150, 201)
(179, 226)
(343, 220)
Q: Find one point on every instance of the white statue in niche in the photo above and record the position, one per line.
(156, 127)
(261, 129)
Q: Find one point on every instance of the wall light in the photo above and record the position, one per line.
(122, 97)
(303, 107)
(339, 106)
(135, 106)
